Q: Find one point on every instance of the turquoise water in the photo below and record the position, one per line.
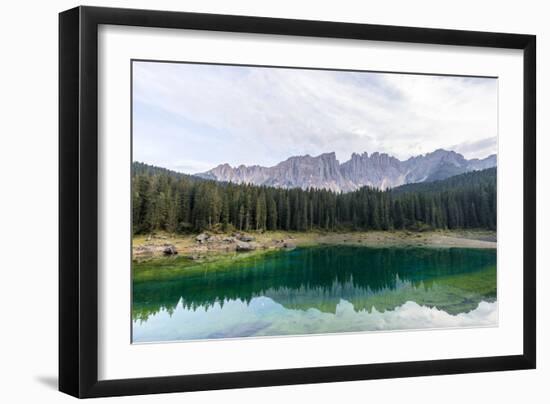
(315, 290)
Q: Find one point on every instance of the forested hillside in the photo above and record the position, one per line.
(482, 178)
(165, 200)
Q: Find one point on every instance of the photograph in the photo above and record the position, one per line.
(275, 201)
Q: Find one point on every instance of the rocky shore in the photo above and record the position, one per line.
(204, 244)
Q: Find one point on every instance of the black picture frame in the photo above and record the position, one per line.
(78, 201)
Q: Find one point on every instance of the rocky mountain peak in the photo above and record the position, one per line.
(379, 170)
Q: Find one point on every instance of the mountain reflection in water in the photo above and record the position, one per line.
(315, 285)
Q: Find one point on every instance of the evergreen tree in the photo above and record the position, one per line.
(168, 201)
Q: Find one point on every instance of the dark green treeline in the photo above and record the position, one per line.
(178, 203)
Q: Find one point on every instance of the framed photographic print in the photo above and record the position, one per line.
(250, 201)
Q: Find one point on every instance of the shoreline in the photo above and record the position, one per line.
(198, 247)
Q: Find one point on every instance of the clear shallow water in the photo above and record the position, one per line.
(313, 291)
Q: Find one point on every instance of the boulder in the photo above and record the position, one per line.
(244, 246)
(246, 238)
(289, 246)
(214, 239)
(169, 250)
(201, 238)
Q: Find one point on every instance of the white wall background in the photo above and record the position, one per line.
(28, 199)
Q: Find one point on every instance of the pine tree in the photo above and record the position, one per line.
(163, 200)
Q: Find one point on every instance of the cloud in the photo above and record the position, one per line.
(214, 114)
(264, 317)
(481, 147)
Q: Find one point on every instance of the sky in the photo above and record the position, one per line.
(193, 117)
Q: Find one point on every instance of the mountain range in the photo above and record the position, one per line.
(378, 170)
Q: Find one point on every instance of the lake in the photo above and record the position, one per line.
(314, 290)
